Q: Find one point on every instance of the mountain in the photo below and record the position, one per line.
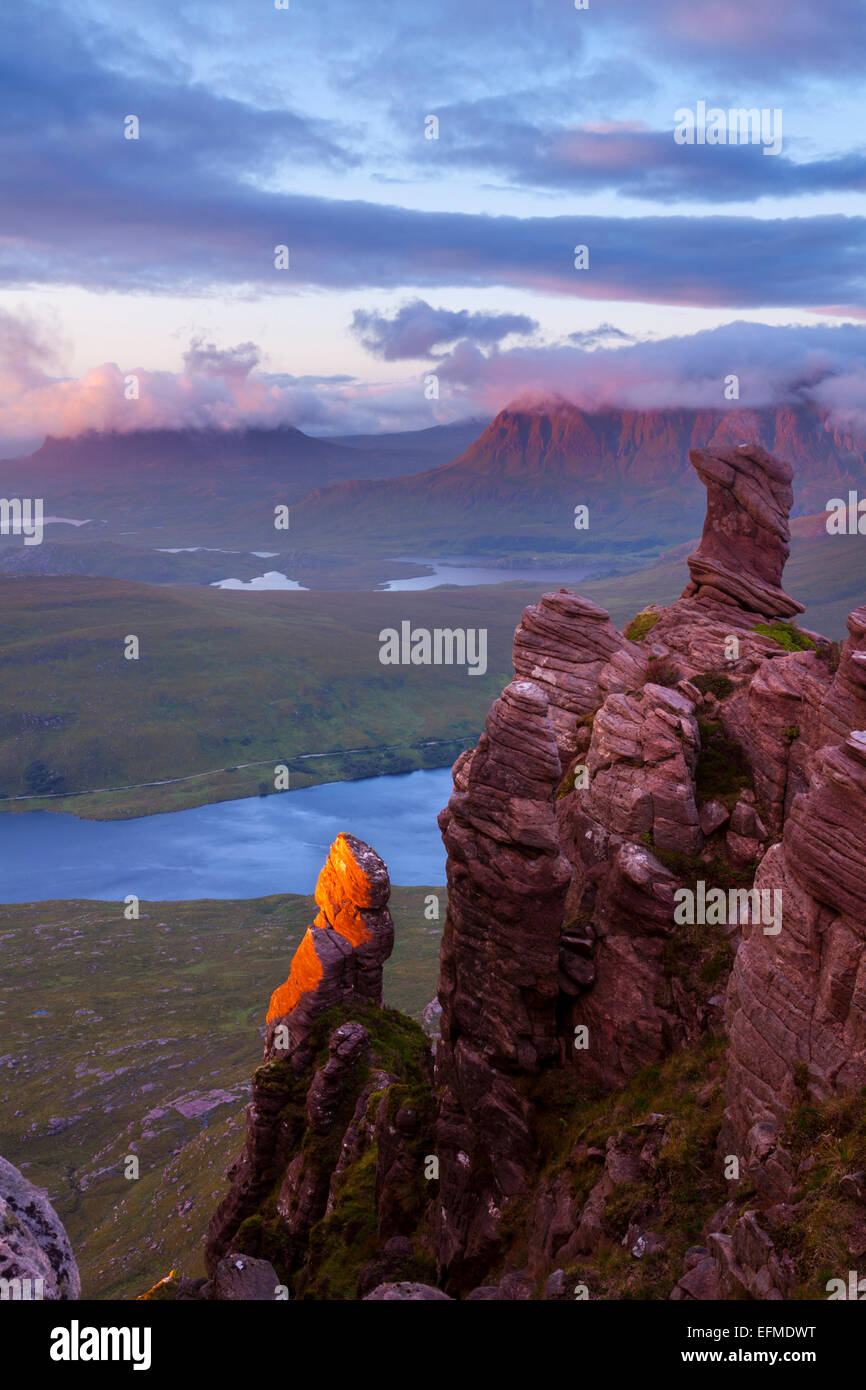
(509, 495)
(651, 1056)
(516, 485)
(426, 448)
(223, 483)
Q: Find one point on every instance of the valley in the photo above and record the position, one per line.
(139, 1038)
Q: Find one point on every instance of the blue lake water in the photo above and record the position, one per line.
(466, 574)
(234, 849)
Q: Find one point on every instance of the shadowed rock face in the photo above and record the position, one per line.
(507, 881)
(341, 955)
(34, 1247)
(746, 535)
(844, 707)
(796, 997)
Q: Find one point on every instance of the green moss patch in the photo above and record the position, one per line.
(787, 636)
(715, 683)
(722, 769)
(825, 1223)
(641, 624)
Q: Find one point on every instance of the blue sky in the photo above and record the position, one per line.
(408, 255)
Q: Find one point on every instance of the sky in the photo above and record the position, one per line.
(431, 170)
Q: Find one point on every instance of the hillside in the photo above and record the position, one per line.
(515, 488)
(95, 1070)
(509, 496)
(191, 487)
(229, 678)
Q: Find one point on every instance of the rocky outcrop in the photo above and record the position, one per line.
(746, 538)
(588, 1109)
(641, 765)
(640, 801)
(844, 707)
(569, 646)
(36, 1259)
(344, 1087)
(507, 881)
(779, 724)
(239, 1279)
(797, 999)
(341, 956)
(703, 686)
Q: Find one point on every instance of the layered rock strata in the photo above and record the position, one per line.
(617, 785)
(341, 956)
(329, 1095)
(507, 881)
(746, 537)
(569, 646)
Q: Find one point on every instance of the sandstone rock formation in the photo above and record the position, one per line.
(346, 1089)
(507, 881)
(589, 1107)
(240, 1279)
(654, 723)
(746, 535)
(341, 955)
(36, 1259)
(569, 646)
(797, 1000)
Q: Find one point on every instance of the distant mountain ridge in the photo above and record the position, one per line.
(509, 493)
(209, 486)
(519, 476)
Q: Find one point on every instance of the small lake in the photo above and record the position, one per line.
(466, 574)
(271, 579)
(234, 849)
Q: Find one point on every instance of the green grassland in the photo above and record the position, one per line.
(230, 683)
(225, 679)
(139, 1038)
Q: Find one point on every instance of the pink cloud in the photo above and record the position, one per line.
(226, 388)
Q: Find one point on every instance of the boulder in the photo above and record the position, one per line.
(36, 1259)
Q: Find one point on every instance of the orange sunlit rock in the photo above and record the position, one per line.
(304, 976)
(357, 871)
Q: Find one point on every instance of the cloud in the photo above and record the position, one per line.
(627, 158)
(202, 238)
(206, 359)
(416, 329)
(217, 388)
(749, 36)
(605, 335)
(201, 200)
(226, 389)
(822, 365)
